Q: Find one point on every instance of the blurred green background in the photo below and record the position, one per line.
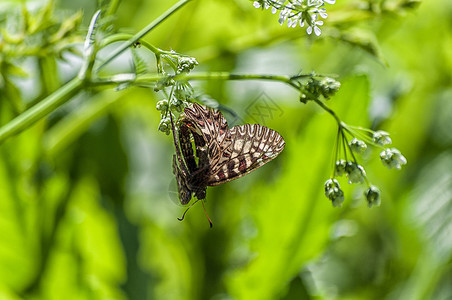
(87, 207)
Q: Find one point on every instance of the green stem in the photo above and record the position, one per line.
(112, 7)
(336, 152)
(121, 37)
(143, 32)
(229, 76)
(149, 78)
(357, 132)
(331, 112)
(344, 144)
(41, 109)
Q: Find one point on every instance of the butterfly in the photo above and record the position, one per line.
(209, 153)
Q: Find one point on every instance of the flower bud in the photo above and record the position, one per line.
(333, 192)
(392, 158)
(373, 196)
(164, 125)
(162, 105)
(381, 137)
(186, 64)
(329, 86)
(355, 172)
(340, 167)
(357, 146)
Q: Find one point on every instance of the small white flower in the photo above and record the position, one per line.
(314, 26)
(392, 158)
(357, 146)
(315, 2)
(373, 196)
(333, 192)
(381, 137)
(340, 167)
(289, 23)
(322, 13)
(355, 172)
(298, 12)
(283, 15)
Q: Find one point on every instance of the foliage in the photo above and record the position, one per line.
(86, 179)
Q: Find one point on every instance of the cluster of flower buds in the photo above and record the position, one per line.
(298, 12)
(186, 64)
(162, 105)
(166, 107)
(326, 87)
(165, 121)
(181, 92)
(179, 63)
(165, 125)
(180, 98)
(390, 157)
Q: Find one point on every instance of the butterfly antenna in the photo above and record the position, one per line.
(185, 212)
(205, 211)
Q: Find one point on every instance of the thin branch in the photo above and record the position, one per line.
(151, 78)
(121, 37)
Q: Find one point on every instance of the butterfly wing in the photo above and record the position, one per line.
(182, 185)
(250, 147)
(209, 123)
(232, 153)
(190, 169)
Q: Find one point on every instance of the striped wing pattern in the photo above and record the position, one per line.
(189, 168)
(182, 184)
(230, 153)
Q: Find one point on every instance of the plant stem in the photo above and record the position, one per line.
(150, 78)
(41, 109)
(143, 32)
(121, 37)
(229, 76)
(112, 7)
(331, 112)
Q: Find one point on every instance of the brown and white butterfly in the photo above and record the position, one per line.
(220, 153)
